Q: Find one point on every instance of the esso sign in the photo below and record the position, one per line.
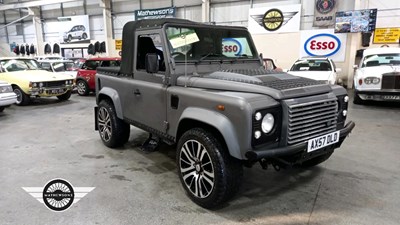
(231, 47)
(322, 45)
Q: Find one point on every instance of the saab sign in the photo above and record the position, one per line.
(324, 43)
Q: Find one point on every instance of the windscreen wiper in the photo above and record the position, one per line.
(208, 55)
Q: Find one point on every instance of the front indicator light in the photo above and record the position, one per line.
(258, 116)
(257, 134)
(346, 99)
(344, 112)
(267, 123)
(360, 81)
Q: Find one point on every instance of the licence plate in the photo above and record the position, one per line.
(391, 97)
(56, 91)
(323, 141)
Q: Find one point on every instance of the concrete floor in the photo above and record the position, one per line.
(360, 184)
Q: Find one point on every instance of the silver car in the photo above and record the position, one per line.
(7, 95)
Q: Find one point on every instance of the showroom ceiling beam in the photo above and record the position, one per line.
(31, 4)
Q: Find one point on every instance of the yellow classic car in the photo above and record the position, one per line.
(29, 80)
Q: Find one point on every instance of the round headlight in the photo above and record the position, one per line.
(257, 134)
(267, 123)
(258, 116)
(34, 85)
(40, 84)
(376, 80)
(344, 112)
(346, 99)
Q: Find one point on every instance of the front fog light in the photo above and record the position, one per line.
(267, 123)
(344, 112)
(258, 116)
(257, 134)
(346, 99)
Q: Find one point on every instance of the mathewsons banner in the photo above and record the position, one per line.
(168, 12)
(324, 43)
(280, 19)
(324, 12)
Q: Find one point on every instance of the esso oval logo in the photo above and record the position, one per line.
(231, 47)
(322, 45)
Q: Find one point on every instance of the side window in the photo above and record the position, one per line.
(91, 65)
(149, 43)
(105, 64)
(46, 66)
(115, 63)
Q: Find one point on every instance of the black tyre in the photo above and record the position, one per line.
(113, 131)
(69, 38)
(357, 100)
(84, 36)
(2, 109)
(82, 87)
(22, 98)
(64, 97)
(209, 175)
(317, 160)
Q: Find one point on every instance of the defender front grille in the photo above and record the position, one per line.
(310, 120)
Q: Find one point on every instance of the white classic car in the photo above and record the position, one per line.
(378, 75)
(316, 68)
(7, 95)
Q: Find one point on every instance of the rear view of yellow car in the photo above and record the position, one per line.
(28, 80)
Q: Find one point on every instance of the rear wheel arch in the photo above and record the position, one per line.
(112, 96)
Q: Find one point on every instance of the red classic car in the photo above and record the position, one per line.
(85, 79)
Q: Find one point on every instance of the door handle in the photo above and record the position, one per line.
(136, 92)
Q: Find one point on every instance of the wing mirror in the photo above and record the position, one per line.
(151, 63)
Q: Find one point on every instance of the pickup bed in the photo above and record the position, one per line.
(219, 106)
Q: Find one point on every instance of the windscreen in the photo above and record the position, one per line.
(63, 66)
(197, 43)
(381, 60)
(12, 65)
(312, 65)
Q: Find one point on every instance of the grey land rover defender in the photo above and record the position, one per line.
(203, 88)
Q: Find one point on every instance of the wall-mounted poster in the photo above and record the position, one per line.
(389, 35)
(324, 12)
(281, 19)
(74, 29)
(168, 12)
(323, 43)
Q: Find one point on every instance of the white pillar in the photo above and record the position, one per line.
(205, 11)
(37, 23)
(107, 18)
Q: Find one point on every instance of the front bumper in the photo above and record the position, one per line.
(7, 99)
(293, 149)
(379, 95)
(49, 92)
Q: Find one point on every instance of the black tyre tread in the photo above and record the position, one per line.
(65, 96)
(86, 93)
(120, 129)
(231, 169)
(357, 100)
(26, 99)
(317, 160)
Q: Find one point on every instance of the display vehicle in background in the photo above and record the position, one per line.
(29, 80)
(76, 32)
(377, 77)
(59, 66)
(7, 95)
(85, 79)
(222, 111)
(316, 68)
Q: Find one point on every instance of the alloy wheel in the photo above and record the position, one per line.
(196, 168)
(19, 95)
(81, 88)
(104, 124)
